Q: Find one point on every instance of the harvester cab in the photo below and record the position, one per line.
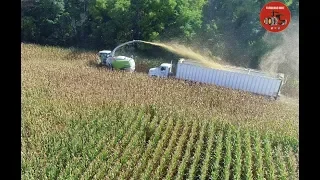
(103, 56)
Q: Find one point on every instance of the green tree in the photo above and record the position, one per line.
(229, 28)
(110, 22)
(41, 20)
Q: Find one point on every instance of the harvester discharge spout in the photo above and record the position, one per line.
(108, 59)
(129, 42)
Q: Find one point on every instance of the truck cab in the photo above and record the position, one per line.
(103, 56)
(164, 70)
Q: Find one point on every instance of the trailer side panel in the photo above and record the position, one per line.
(251, 82)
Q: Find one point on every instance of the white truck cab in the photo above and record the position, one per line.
(164, 70)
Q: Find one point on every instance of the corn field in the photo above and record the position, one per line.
(82, 122)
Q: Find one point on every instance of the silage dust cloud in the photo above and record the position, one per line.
(284, 58)
(187, 53)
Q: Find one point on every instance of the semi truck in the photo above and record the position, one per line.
(237, 78)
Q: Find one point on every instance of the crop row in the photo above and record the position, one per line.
(149, 147)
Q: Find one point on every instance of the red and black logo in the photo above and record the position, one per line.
(275, 16)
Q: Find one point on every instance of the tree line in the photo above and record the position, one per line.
(230, 29)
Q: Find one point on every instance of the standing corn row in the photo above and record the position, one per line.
(270, 169)
(247, 171)
(237, 155)
(217, 157)
(196, 157)
(258, 157)
(130, 152)
(58, 161)
(183, 166)
(158, 152)
(91, 153)
(126, 120)
(150, 148)
(151, 128)
(119, 148)
(205, 166)
(127, 168)
(106, 156)
(282, 171)
(178, 151)
(166, 155)
(227, 157)
(292, 165)
(105, 147)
